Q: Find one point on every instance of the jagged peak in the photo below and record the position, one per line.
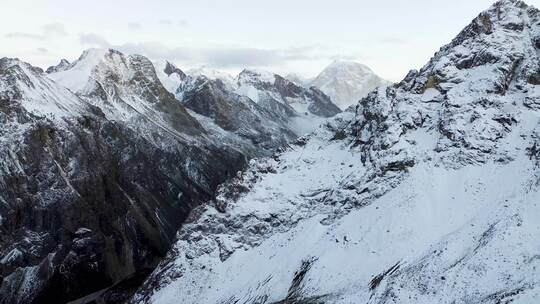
(253, 74)
(507, 5)
(30, 87)
(61, 66)
(504, 15)
(7, 63)
(98, 63)
(171, 68)
(504, 40)
(472, 91)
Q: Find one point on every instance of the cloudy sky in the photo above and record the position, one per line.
(302, 36)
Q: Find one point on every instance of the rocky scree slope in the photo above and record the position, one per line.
(427, 193)
(99, 166)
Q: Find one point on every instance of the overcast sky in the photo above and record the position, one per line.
(302, 36)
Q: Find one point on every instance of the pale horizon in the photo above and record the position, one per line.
(231, 36)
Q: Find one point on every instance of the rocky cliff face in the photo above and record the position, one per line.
(427, 193)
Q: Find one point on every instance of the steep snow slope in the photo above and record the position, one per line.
(428, 193)
(346, 82)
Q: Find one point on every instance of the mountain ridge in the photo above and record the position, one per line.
(426, 192)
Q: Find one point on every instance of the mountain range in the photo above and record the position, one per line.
(127, 180)
(427, 192)
(101, 163)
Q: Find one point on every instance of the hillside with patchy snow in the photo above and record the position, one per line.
(427, 193)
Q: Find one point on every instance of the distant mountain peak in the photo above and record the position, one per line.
(258, 75)
(346, 82)
(348, 64)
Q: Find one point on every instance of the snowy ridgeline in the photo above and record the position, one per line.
(427, 193)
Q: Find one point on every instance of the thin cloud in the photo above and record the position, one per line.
(21, 35)
(223, 57)
(47, 31)
(134, 25)
(165, 21)
(169, 22)
(157, 50)
(54, 29)
(94, 39)
(182, 23)
(241, 57)
(231, 57)
(42, 50)
(392, 40)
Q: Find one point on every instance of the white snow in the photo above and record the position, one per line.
(77, 76)
(430, 94)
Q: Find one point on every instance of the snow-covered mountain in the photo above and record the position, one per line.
(427, 193)
(264, 87)
(346, 82)
(127, 89)
(262, 107)
(99, 165)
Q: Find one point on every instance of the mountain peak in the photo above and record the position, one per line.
(346, 82)
(61, 66)
(257, 75)
(503, 15)
(30, 88)
(76, 76)
(170, 68)
(347, 64)
(498, 49)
